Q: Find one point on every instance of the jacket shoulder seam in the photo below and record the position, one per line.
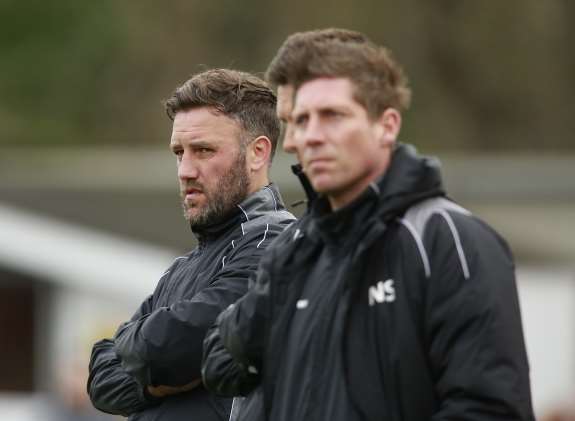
(419, 242)
(457, 241)
(416, 218)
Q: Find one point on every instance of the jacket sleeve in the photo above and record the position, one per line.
(110, 387)
(233, 348)
(165, 347)
(473, 324)
(221, 373)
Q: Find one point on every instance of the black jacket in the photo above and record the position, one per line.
(432, 325)
(162, 343)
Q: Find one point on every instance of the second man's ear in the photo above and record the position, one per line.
(389, 126)
(258, 153)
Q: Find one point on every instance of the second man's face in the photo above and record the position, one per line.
(339, 147)
(212, 169)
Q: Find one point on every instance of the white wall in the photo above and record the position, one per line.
(548, 311)
(77, 320)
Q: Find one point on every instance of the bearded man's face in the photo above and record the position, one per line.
(212, 170)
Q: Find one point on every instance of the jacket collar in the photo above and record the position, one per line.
(409, 179)
(340, 226)
(310, 193)
(265, 200)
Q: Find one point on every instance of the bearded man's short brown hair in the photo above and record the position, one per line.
(238, 95)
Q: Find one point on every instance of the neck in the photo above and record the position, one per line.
(346, 195)
(344, 198)
(258, 182)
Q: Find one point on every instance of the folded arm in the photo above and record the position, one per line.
(234, 346)
(165, 347)
(110, 387)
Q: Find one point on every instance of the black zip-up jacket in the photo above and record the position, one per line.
(162, 343)
(240, 383)
(432, 326)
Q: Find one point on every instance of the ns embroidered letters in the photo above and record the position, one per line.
(382, 292)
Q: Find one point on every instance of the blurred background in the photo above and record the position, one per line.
(89, 210)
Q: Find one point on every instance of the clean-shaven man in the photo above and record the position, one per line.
(386, 300)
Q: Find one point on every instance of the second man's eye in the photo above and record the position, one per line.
(332, 114)
(300, 120)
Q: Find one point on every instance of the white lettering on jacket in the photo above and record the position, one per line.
(301, 304)
(382, 292)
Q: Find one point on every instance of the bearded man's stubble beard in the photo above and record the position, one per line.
(230, 190)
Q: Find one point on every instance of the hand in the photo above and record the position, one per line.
(163, 391)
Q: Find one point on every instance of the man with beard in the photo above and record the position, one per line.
(387, 300)
(224, 136)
